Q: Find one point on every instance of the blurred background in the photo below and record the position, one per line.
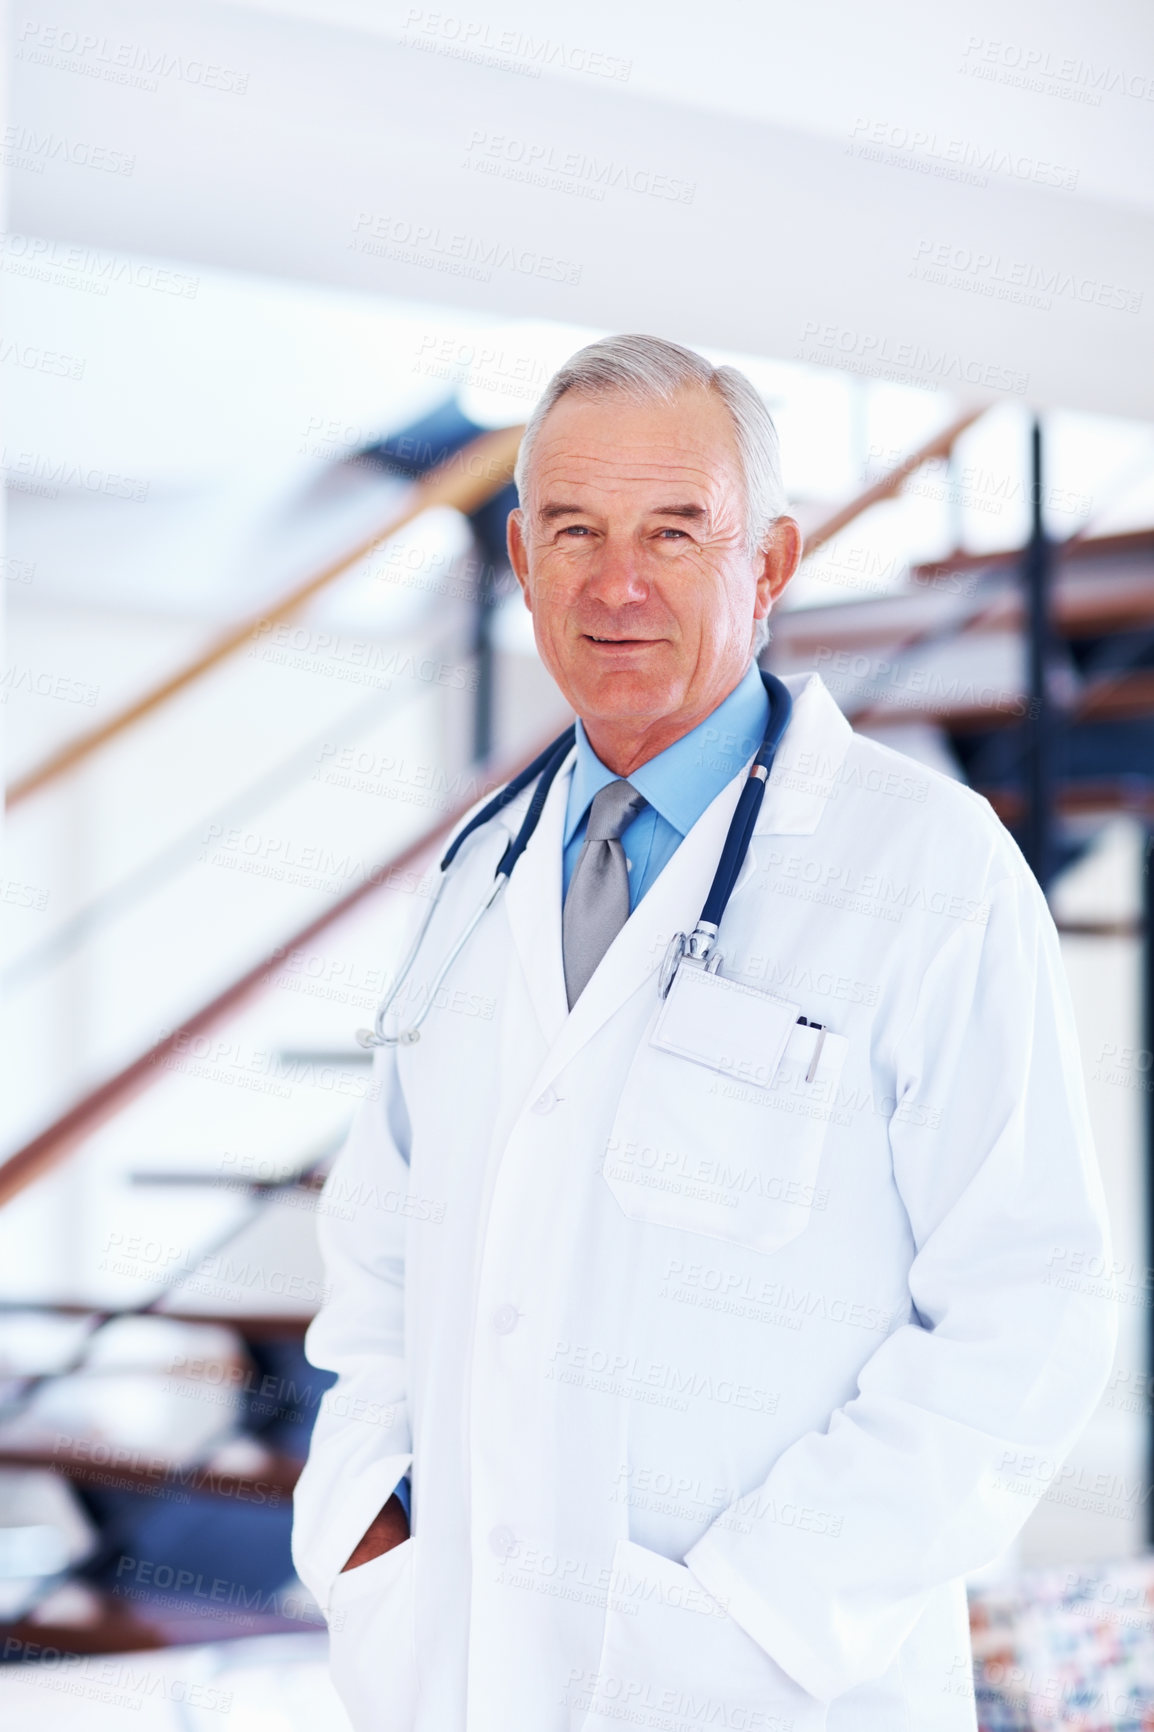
(282, 280)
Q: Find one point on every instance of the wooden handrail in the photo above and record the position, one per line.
(52, 1144)
(137, 1471)
(1084, 606)
(892, 483)
(465, 480)
(86, 1115)
(1078, 546)
(250, 1325)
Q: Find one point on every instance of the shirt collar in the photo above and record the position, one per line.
(680, 782)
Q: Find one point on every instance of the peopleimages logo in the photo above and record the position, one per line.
(577, 171)
(117, 61)
(24, 147)
(85, 268)
(1040, 69)
(33, 472)
(993, 274)
(456, 252)
(922, 149)
(875, 354)
(511, 50)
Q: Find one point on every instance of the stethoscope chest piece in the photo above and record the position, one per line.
(695, 949)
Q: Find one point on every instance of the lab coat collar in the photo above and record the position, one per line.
(807, 767)
(805, 773)
(809, 761)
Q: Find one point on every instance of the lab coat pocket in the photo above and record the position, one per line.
(372, 1647)
(721, 1122)
(672, 1656)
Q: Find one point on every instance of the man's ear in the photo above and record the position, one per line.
(780, 557)
(518, 553)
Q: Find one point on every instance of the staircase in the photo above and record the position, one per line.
(155, 1403)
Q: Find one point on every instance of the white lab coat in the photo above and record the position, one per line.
(717, 1368)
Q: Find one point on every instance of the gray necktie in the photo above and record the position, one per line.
(597, 905)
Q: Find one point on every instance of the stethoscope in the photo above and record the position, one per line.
(695, 949)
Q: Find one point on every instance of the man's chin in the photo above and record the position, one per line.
(620, 693)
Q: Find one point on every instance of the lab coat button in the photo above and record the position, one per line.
(502, 1541)
(546, 1102)
(505, 1319)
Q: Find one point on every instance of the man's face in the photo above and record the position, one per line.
(631, 552)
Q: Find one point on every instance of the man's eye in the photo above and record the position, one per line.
(680, 533)
(576, 529)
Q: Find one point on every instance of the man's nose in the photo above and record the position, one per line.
(617, 579)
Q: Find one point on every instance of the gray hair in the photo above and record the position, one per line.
(648, 368)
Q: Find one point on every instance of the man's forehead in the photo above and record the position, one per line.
(609, 441)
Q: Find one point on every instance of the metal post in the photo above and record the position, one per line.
(485, 599)
(1038, 843)
(1146, 1075)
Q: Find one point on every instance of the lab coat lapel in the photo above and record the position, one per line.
(672, 904)
(804, 775)
(809, 763)
(533, 905)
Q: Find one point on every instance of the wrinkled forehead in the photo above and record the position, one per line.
(610, 445)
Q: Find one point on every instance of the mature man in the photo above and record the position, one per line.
(715, 1327)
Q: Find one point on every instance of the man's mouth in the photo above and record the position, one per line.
(593, 638)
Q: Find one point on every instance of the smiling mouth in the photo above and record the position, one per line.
(592, 638)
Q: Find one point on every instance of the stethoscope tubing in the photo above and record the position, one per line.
(545, 767)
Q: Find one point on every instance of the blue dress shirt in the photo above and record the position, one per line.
(678, 784)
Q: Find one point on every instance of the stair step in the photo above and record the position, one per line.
(117, 1467)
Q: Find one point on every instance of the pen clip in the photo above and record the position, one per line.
(815, 1060)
